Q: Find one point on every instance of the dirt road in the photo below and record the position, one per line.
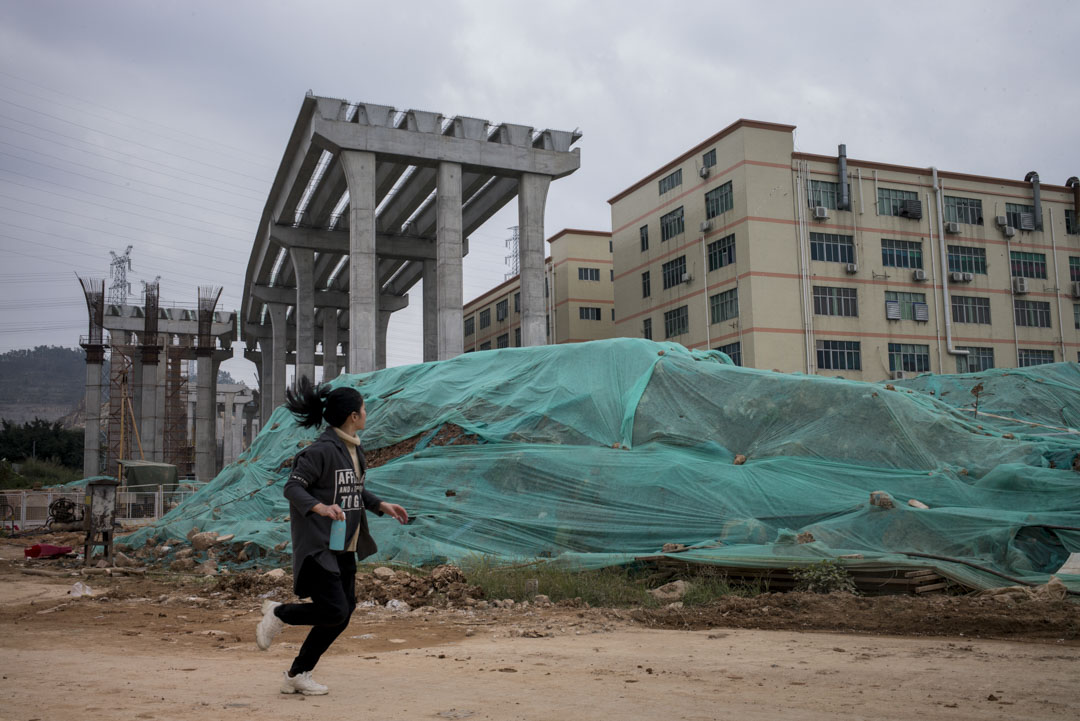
(141, 650)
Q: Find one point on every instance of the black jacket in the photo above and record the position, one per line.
(323, 473)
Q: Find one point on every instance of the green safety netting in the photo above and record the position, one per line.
(594, 454)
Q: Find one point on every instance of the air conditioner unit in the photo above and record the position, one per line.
(951, 227)
(706, 226)
(852, 267)
(1020, 285)
(968, 277)
(1001, 220)
(1009, 231)
(686, 278)
(956, 277)
(703, 171)
(1027, 221)
(899, 375)
(1076, 289)
(821, 213)
(911, 209)
(918, 274)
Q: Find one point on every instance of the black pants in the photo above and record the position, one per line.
(333, 599)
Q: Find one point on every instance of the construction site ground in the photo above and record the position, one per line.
(167, 646)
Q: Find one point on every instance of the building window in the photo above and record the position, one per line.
(671, 224)
(611, 275)
(644, 233)
(891, 201)
(673, 271)
(676, 322)
(469, 326)
(836, 301)
(503, 341)
(963, 259)
(1071, 226)
(1032, 357)
(646, 329)
(722, 252)
(909, 357)
(586, 313)
(547, 287)
(709, 159)
(838, 355)
(724, 306)
(517, 302)
(611, 246)
(977, 359)
(968, 309)
(486, 345)
(901, 253)
(825, 193)
(1028, 265)
(832, 248)
(963, 210)
(588, 274)
(719, 200)
(646, 285)
(612, 315)
(517, 337)
(502, 309)
(670, 182)
(906, 306)
(1076, 316)
(1032, 313)
(485, 318)
(734, 352)
(1014, 211)
(1074, 268)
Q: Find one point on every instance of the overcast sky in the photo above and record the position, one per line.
(161, 124)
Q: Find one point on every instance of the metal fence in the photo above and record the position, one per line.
(135, 505)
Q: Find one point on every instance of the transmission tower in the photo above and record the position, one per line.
(513, 262)
(118, 285)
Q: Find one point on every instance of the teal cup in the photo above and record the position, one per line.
(337, 536)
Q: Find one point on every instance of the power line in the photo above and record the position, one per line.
(104, 107)
(51, 141)
(123, 139)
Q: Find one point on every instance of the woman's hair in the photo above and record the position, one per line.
(313, 404)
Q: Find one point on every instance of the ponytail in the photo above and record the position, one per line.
(312, 404)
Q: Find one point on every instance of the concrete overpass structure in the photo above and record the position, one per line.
(368, 201)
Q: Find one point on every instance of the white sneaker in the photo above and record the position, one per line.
(269, 626)
(302, 683)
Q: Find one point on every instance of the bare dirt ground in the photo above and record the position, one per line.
(169, 647)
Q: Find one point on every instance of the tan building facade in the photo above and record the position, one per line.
(743, 245)
(579, 270)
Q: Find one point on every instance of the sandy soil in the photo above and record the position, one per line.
(154, 649)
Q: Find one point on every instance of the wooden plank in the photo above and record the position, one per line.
(924, 572)
(931, 587)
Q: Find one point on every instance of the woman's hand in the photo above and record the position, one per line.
(396, 511)
(333, 512)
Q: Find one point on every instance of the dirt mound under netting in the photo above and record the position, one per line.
(597, 454)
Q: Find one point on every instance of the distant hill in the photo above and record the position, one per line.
(46, 382)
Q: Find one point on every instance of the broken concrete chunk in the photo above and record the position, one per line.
(670, 592)
(275, 574)
(384, 573)
(208, 568)
(192, 532)
(203, 541)
(917, 504)
(182, 564)
(881, 499)
(739, 459)
(805, 537)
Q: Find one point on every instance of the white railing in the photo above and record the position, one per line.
(135, 505)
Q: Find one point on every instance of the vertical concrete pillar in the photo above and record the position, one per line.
(278, 352)
(265, 375)
(532, 197)
(238, 428)
(148, 403)
(382, 323)
(92, 432)
(329, 343)
(205, 417)
(359, 170)
(448, 260)
(303, 260)
(191, 416)
(228, 430)
(431, 311)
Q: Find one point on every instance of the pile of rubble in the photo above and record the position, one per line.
(445, 585)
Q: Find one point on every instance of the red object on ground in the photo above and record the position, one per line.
(46, 550)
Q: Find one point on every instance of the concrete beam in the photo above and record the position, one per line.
(336, 242)
(505, 154)
(287, 296)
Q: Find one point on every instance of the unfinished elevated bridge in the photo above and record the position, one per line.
(369, 200)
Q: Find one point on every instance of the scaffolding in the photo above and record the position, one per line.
(179, 449)
(121, 428)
